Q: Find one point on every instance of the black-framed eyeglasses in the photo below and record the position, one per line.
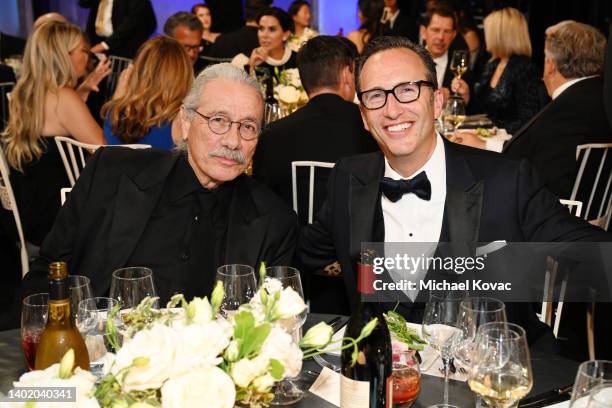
(405, 92)
(221, 124)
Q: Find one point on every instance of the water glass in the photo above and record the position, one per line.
(91, 322)
(131, 285)
(239, 286)
(601, 396)
(34, 312)
(590, 375)
(406, 378)
(80, 289)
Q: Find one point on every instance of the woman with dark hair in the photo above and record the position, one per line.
(274, 29)
(299, 11)
(370, 13)
(203, 13)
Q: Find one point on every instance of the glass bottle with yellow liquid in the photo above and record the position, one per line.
(60, 333)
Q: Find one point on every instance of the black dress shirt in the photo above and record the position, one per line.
(193, 222)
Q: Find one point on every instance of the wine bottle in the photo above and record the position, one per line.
(270, 89)
(60, 333)
(368, 383)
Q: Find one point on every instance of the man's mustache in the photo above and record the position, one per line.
(225, 153)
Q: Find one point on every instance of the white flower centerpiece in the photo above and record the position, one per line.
(288, 90)
(188, 355)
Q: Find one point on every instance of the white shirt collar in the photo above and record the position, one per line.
(282, 61)
(441, 63)
(566, 85)
(393, 17)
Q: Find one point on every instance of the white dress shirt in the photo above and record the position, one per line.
(441, 63)
(104, 24)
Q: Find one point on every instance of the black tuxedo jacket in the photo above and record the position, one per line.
(326, 129)
(228, 45)
(608, 77)
(550, 138)
(101, 222)
(6, 74)
(405, 26)
(133, 22)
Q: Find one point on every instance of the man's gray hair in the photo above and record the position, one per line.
(182, 18)
(224, 70)
(576, 48)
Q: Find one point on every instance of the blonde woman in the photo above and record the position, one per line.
(510, 90)
(44, 104)
(149, 96)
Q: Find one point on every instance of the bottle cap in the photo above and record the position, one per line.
(58, 270)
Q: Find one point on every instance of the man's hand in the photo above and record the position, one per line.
(468, 138)
(91, 81)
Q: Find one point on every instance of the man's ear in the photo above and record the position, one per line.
(438, 103)
(185, 123)
(363, 117)
(422, 31)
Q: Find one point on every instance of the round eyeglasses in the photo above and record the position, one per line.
(405, 92)
(220, 124)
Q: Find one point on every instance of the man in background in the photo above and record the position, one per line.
(187, 29)
(397, 22)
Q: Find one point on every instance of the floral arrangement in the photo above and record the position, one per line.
(288, 89)
(187, 355)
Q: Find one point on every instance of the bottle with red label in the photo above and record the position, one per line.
(369, 382)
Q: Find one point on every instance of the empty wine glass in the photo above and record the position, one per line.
(91, 321)
(590, 375)
(440, 328)
(272, 112)
(80, 289)
(473, 313)
(501, 374)
(131, 285)
(601, 396)
(34, 312)
(239, 286)
(453, 114)
(287, 391)
(460, 62)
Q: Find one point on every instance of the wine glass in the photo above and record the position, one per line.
(501, 374)
(590, 375)
(453, 114)
(473, 313)
(34, 312)
(440, 328)
(286, 391)
(460, 62)
(131, 285)
(80, 289)
(272, 112)
(601, 396)
(91, 321)
(239, 286)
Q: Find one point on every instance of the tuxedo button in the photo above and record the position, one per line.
(185, 256)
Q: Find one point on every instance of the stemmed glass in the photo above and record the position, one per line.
(590, 375)
(239, 286)
(453, 114)
(286, 391)
(440, 328)
(459, 63)
(34, 312)
(131, 285)
(601, 396)
(80, 289)
(501, 374)
(473, 313)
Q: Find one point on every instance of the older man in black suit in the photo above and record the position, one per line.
(181, 213)
(421, 188)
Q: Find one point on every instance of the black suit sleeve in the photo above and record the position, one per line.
(89, 3)
(135, 12)
(608, 78)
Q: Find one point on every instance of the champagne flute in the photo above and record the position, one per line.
(131, 285)
(501, 374)
(459, 63)
(454, 115)
(440, 329)
(286, 391)
(239, 286)
(34, 312)
(590, 375)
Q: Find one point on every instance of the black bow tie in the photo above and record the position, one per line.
(395, 189)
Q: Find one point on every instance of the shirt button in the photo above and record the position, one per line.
(184, 256)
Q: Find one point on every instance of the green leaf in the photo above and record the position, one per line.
(244, 323)
(400, 330)
(276, 369)
(251, 344)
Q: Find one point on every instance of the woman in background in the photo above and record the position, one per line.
(299, 10)
(370, 13)
(44, 104)
(149, 95)
(203, 13)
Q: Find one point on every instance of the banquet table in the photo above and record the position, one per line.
(549, 371)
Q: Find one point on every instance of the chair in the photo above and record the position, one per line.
(311, 179)
(552, 267)
(75, 161)
(64, 193)
(594, 189)
(5, 89)
(118, 64)
(574, 207)
(7, 198)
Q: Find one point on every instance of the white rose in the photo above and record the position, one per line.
(245, 370)
(273, 285)
(288, 94)
(201, 345)
(280, 346)
(200, 310)
(158, 345)
(207, 387)
(83, 381)
(289, 305)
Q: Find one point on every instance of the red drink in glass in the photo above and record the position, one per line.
(29, 343)
(406, 385)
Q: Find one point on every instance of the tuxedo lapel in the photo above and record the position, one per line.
(135, 201)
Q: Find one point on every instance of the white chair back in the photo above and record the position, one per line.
(5, 89)
(64, 193)
(598, 187)
(311, 179)
(7, 199)
(574, 207)
(118, 64)
(546, 314)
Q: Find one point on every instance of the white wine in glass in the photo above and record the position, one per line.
(459, 63)
(454, 114)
